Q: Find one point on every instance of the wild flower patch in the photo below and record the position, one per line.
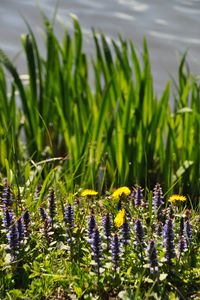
(94, 248)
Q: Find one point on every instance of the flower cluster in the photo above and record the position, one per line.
(110, 235)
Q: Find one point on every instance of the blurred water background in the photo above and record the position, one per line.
(171, 27)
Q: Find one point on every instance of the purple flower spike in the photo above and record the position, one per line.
(7, 218)
(20, 228)
(107, 225)
(139, 233)
(27, 220)
(168, 240)
(115, 251)
(69, 218)
(43, 213)
(13, 241)
(96, 247)
(125, 232)
(91, 223)
(188, 228)
(69, 215)
(182, 245)
(138, 196)
(6, 196)
(152, 254)
(158, 199)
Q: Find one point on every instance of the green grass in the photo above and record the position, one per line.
(108, 131)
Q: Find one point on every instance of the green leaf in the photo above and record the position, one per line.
(163, 276)
(78, 291)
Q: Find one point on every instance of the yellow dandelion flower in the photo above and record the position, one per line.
(175, 198)
(124, 190)
(88, 192)
(120, 217)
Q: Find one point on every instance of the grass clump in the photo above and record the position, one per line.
(111, 131)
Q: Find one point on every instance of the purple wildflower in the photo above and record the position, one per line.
(139, 233)
(138, 196)
(7, 218)
(182, 245)
(115, 251)
(20, 228)
(13, 240)
(188, 228)
(107, 226)
(158, 200)
(168, 240)
(96, 247)
(91, 223)
(43, 213)
(6, 195)
(69, 216)
(125, 228)
(152, 254)
(27, 220)
(52, 205)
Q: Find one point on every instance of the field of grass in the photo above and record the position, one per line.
(95, 122)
